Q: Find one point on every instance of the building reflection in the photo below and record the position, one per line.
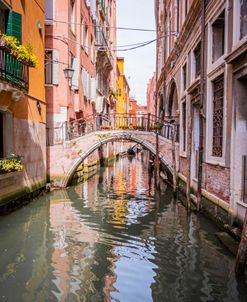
(108, 239)
(73, 251)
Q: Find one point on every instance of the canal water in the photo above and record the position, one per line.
(114, 238)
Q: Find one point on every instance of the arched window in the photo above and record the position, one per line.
(173, 100)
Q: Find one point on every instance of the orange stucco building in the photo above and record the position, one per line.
(22, 98)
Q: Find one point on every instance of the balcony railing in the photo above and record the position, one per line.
(104, 46)
(13, 70)
(101, 39)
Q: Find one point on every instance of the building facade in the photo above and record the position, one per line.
(133, 112)
(87, 48)
(151, 106)
(123, 89)
(22, 99)
(201, 88)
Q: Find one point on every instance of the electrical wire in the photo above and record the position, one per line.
(110, 27)
(118, 48)
(102, 49)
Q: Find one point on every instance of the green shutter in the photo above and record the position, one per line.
(13, 28)
(14, 25)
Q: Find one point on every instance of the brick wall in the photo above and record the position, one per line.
(183, 166)
(216, 180)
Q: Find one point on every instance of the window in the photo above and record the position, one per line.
(243, 18)
(218, 111)
(85, 43)
(184, 124)
(51, 67)
(197, 56)
(92, 49)
(2, 20)
(82, 32)
(48, 66)
(72, 15)
(218, 39)
(49, 10)
(177, 16)
(184, 74)
(186, 7)
(169, 32)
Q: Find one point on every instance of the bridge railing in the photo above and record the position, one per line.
(117, 121)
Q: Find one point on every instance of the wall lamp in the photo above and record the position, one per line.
(68, 73)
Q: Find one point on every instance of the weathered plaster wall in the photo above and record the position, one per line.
(29, 142)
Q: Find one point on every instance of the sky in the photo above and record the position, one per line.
(139, 63)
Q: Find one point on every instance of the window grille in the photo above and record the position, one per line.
(197, 54)
(218, 104)
(184, 76)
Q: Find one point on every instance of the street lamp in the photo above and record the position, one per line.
(69, 72)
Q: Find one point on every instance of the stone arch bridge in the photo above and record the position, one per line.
(66, 156)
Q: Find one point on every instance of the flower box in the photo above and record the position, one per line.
(10, 174)
(23, 53)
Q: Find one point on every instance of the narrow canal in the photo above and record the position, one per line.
(113, 238)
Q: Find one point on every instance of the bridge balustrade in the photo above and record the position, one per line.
(118, 121)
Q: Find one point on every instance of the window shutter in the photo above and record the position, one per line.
(93, 89)
(55, 67)
(83, 76)
(89, 86)
(75, 79)
(14, 25)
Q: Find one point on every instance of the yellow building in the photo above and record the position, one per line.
(22, 98)
(123, 89)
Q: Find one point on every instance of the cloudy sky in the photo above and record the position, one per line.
(139, 63)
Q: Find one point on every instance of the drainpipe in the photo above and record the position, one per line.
(201, 104)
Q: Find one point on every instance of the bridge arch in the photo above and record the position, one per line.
(113, 137)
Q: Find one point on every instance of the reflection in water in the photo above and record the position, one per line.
(113, 238)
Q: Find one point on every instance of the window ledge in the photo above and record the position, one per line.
(214, 162)
(183, 155)
(242, 204)
(49, 22)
